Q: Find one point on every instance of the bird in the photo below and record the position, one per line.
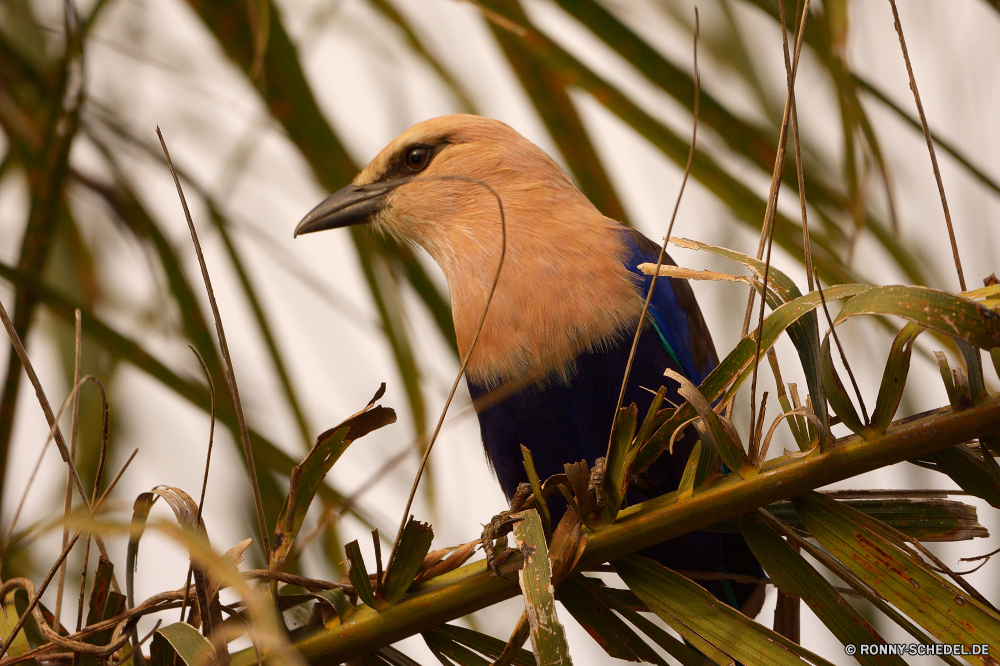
(556, 337)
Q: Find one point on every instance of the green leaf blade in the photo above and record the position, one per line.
(793, 575)
(413, 546)
(678, 600)
(548, 638)
(358, 574)
(948, 613)
(948, 314)
(193, 648)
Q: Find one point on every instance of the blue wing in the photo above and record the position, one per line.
(673, 311)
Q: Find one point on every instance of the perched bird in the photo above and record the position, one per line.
(560, 326)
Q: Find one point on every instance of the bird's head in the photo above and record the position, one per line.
(429, 186)
(440, 185)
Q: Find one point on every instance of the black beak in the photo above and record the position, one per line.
(351, 205)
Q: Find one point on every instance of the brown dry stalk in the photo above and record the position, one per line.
(843, 356)
(265, 541)
(208, 462)
(465, 361)
(930, 148)
(666, 239)
(767, 232)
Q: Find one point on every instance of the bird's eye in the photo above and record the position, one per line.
(417, 158)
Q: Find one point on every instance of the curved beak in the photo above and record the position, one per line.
(351, 205)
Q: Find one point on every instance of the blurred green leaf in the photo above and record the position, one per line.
(872, 90)
(44, 131)
(23, 39)
(288, 95)
(413, 40)
(270, 455)
(193, 648)
(263, 322)
(546, 86)
(744, 203)
(388, 301)
(751, 142)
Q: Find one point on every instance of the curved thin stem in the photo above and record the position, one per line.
(465, 359)
(666, 239)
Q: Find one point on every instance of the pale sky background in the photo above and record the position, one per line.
(155, 64)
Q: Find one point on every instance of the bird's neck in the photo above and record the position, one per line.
(563, 290)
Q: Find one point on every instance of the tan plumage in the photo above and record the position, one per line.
(540, 318)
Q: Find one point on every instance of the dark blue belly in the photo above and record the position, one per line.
(562, 423)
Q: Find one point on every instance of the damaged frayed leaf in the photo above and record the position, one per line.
(308, 475)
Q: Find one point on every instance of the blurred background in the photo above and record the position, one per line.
(269, 106)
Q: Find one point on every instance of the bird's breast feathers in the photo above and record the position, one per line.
(560, 293)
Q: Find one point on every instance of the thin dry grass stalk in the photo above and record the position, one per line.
(465, 360)
(767, 230)
(36, 596)
(807, 249)
(930, 147)
(230, 373)
(71, 398)
(208, 462)
(68, 497)
(843, 356)
(50, 418)
(666, 239)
